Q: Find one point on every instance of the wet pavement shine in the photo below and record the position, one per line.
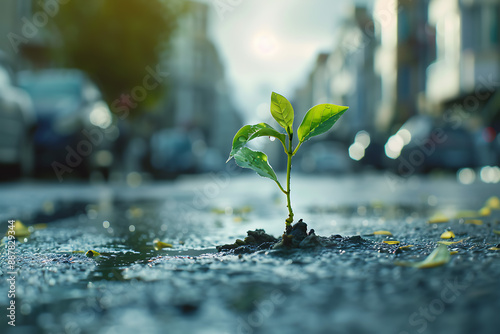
(133, 285)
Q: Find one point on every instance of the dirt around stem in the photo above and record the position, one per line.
(295, 237)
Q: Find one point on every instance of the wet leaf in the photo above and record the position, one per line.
(255, 160)
(496, 232)
(474, 222)
(160, 245)
(249, 132)
(484, 211)
(450, 242)
(20, 230)
(92, 253)
(453, 252)
(391, 242)
(438, 218)
(382, 233)
(448, 235)
(438, 257)
(282, 111)
(319, 119)
(405, 247)
(493, 203)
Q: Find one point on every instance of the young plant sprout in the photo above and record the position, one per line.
(319, 119)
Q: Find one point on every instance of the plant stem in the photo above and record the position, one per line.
(289, 153)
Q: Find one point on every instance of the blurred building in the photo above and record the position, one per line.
(406, 51)
(23, 37)
(346, 76)
(468, 46)
(468, 51)
(12, 13)
(198, 101)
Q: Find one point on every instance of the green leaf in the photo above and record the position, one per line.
(438, 257)
(319, 119)
(282, 111)
(249, 132)
(256, 161)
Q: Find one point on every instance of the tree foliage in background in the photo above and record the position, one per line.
(115, 40)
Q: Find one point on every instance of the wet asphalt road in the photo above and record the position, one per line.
(354, 287)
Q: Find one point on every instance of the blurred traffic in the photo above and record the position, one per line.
(103, 103)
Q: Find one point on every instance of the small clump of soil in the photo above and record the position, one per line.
(295, 236)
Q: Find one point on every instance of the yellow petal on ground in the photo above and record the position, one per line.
(135, 212)
(405, 247)
(438, 218)
(160, 245)
(218, 211)
(244, 209)
(391, 242)
(438, 257)
(382, 233)
(450, 242)
(474, 222)
(20, 230)
(92, 253)
(493, 203)
(484, 211)
(448, 235)
(40, 226)
(496, 232)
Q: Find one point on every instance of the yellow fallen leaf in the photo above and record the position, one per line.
(391, 242)
(244, 209)
(41, 226)
(453, 252)
(493, 203)
(218, 211)
(438, 218)
(160, 245)
(92, 253)
(494, 248)
(448, 235)
(19, 230)
(438, 257)
(450, 242)
(484, 211)
(496, 232)
(474, 222)
(382, 233)
(405, 247)
(135, 212)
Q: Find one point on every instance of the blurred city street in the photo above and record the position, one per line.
(131, 131)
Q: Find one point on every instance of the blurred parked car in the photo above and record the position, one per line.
(75, 130)
(17, 123)
(172, 153)
(422, 144)
(326, 157)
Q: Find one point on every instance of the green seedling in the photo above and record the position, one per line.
(318, 120)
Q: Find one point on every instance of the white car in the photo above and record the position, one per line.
(17, 123)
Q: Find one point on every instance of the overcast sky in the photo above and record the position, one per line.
(270, 45)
